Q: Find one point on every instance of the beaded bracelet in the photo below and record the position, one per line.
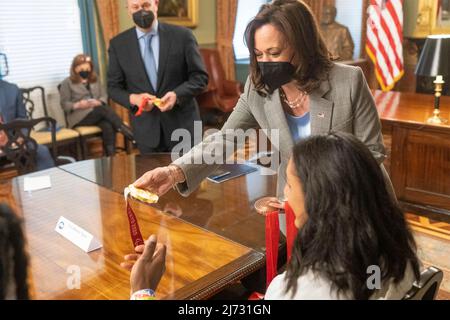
(146, 294)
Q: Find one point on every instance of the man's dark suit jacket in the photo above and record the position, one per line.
(11, 102)
(181, 69)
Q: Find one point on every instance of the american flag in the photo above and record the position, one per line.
(385, 41)
(386, 102)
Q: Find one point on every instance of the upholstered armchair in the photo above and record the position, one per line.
(221, 94)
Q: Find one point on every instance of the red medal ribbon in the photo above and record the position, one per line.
(135, 232)
(272, 240)
(141, 107)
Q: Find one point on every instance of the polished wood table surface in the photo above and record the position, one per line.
(199, 262)
(225, 209)
(410, 108)
(419, 152)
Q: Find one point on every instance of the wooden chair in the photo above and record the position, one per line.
(21, 148)
(64, 136)
(428, 286)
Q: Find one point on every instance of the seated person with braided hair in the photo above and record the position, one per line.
(13, 259)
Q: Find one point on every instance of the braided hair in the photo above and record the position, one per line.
(13, 259)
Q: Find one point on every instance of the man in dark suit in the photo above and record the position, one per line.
(156, 60)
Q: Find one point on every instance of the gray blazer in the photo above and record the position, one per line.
(342, 103)
(71, 93)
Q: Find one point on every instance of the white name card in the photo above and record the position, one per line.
(77, 235)
(36, 183)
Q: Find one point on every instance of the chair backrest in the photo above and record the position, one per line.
(38, 93)
(29, 102)
(215, 69)
(20, 148)
(428, 286)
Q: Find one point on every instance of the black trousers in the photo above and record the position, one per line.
(105, 118)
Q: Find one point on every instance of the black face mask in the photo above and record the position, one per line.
(276, 74)
(84, 74)
(143, 19)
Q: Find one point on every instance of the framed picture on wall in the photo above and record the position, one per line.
(425, 17)
(443, 15)
(179, 12)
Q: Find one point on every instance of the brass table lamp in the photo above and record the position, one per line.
(435, 62)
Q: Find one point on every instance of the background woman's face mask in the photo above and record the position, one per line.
(84, 74)
(144, 19)
(276, 74)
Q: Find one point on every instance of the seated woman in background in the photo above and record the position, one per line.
(347, 222)
(85, 103)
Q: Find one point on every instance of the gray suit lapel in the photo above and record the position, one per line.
(321, 110)
(277, 120)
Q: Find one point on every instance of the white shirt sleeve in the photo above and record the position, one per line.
(276, 289)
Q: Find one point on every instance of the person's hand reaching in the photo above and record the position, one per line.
(160, 180)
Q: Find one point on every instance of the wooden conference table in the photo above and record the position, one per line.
(214, 237)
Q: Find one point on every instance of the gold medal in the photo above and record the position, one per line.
(157, 102)
(141, 194)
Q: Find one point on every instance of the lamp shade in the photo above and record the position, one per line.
(435, 57)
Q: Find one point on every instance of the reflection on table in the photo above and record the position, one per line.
(226, 208)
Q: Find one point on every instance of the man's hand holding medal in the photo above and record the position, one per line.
(146, 102)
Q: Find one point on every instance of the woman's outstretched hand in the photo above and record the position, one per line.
(160, 180)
